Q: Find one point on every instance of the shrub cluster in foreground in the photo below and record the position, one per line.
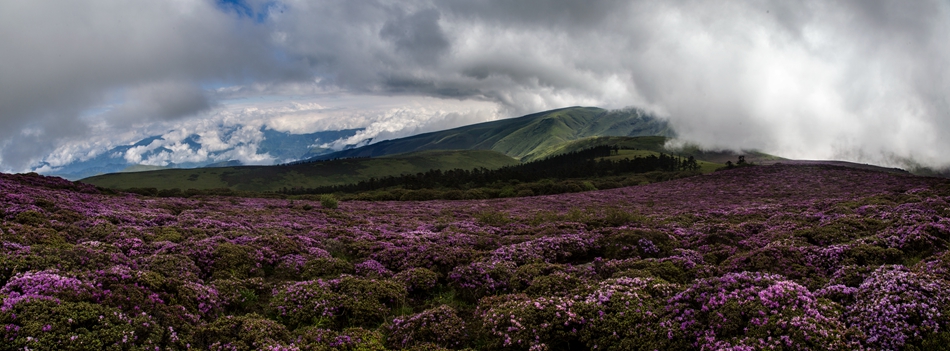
(777, 257)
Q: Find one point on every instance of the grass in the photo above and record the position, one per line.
(273, 178)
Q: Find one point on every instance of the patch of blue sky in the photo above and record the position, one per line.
(95, 111)
(242, 8)
(214, 85)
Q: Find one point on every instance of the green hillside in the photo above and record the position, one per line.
(307, 175)
(654, 145)
(141, 168)
(526, 138)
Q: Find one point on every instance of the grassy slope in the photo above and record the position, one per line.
(272, 178)
(142, 168)
(704, 166)
(527, 138)
(653, 145)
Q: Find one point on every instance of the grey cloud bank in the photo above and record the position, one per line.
(858, 80)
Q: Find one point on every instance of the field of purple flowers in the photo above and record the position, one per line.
(768, 257)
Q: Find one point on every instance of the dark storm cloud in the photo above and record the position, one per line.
(417, 35)
(162, 101)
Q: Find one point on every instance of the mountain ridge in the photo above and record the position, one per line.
(526, 138)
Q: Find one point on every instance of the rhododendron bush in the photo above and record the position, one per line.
(770, 257)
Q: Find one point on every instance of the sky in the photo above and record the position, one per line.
(857, 80)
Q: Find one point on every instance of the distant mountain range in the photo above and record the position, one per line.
(281, 146)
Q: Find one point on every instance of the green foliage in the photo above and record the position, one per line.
(173, 192)
(841, 231)
(242, 333)
(250, 180)
(439, 326)
(611, 217)
(325, 268)
(347, 302)
(519, 322)
(866, 254)
(420, 195)
(555, 284)
(493, 218)
(240, 296)
(328, 201)
(51, 325)
(234, 261)
(665, 271)
(366, 302)
(305, 303)
(542, 279)
(636, 243)
(418, 280)
(172, 266)
(624, 315)
(349, 339)
(167, 234)
(933, 342)
(31, 217)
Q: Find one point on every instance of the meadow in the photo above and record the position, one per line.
(784, 257)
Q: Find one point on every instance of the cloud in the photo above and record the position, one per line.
(160, 101)
(809, 79)
(61, 60)
(418, 36)
(860, 80)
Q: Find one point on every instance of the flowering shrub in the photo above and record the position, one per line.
(895, 307)
(753, 310)
(372, 269)
(525, 275)
(482, 278)
(637, 243)
(367, 302)
(306, 303)
(624, 313)
(348, 339)
(777, 257)
(417, 280)
(325, 268)
(171, 266)
(235, 261)
(439, 253)
(668, 270)
(242, 333)
(521, 322)
(439, 326)
(78, 326)
(546, 249)
(242, 295)
(348, 301)
(45, 285)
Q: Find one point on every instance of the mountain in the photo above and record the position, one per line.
(488, 145)
(282, 147)
(286, 147)
(526, 138)
(303, 175)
